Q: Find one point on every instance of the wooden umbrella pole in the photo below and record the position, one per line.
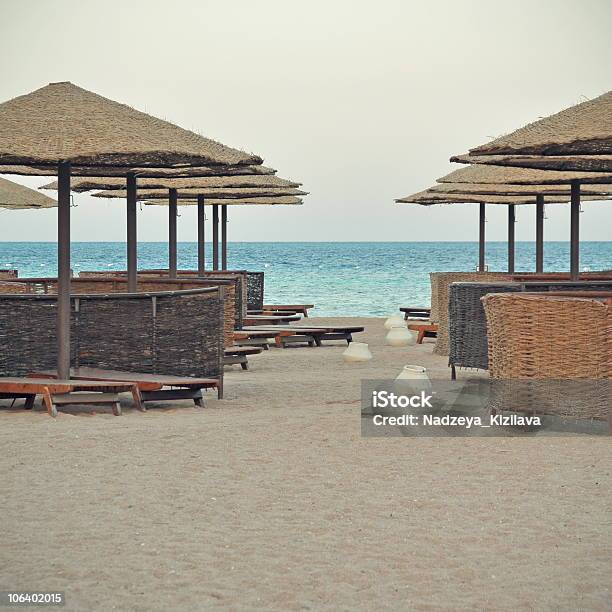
(131, 233)
(172, 214)
(63, 270)
(575, 230)
(511, 243)
(540, 233)
(224, 237)
(215, 235)
(201, 239)
(481, 238)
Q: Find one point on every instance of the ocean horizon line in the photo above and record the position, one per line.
(307, 242)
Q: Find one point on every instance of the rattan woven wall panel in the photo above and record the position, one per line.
(255, 290)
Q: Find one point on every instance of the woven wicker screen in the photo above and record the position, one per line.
(440, 283)
(132, 333)
(536, 364)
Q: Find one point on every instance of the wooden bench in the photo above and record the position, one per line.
(424, 330)
(56, 392)
(149, 387)
(239, 355)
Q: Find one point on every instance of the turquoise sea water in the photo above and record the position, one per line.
(345, 278)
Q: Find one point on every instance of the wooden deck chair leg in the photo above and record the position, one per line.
(48, 401)
(116, 406)
(453, 373)
(137, 397)
(198, 399)
(421, 336)
(220, 389)
(244, 364)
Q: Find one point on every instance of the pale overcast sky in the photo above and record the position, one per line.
(362, 101)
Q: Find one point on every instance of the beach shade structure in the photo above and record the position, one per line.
(578, 138)
(173, 195)
(430, 197)
(67, 128)
(497, 180)
(14, 196)
(226, 193)
(165, 183)
(507, 175)
(175, 171)
(583, 129)
(223, 198)
(566, 163)
(205, 187)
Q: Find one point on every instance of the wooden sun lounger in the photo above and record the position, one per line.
(286, 336)
(262, 339)
(424, 330)
(416, 312)
(149, 387)
(66, 392)
(318, 333)
(269, 319)
(273, 313)
(239, 355)
(301, 308)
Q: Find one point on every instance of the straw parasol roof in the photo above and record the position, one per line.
(63, 122)
(276, 201)
(505, 175)
(583, 129)
(15, 196)
(501, 189)
(428, 198)
(174, 171)
(570, 163)
(115, 183)
(212, 192)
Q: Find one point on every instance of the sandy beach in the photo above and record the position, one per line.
(272, 500)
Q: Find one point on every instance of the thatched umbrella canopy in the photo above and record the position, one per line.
(210, 182)
(207, 192)
(583, 129)
(176, 171)
(568, 163)
(67, 127)
(433, 196)
(65, 123)
(255, 201)
(16, 196)
(524, 190)
(429, 197)
(520, 176)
